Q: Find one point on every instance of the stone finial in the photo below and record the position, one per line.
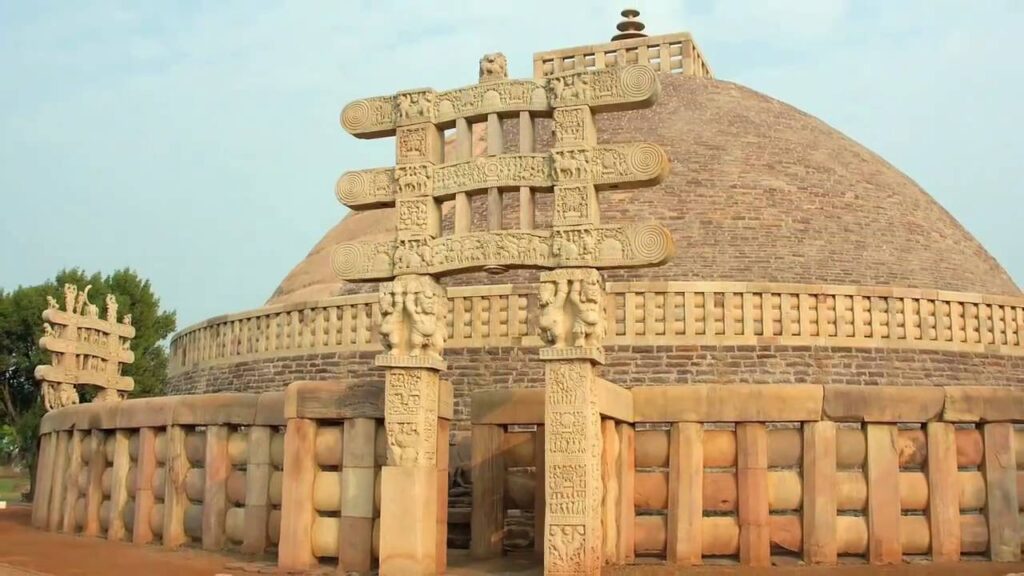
(630, 27)
(493, 67)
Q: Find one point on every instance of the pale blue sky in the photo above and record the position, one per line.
(198, 142)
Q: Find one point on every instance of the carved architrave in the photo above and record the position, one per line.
(413, 324)
(483, 172)
(369, 188)
(85, 350)
(605, 89)
(609, 89)
(620, 165)
(573, 486)
(491, 97)
(608, 246)
(410, 415)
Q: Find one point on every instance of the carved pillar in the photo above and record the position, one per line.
(413, 311)
(408, 542)
(572, 323)
(412, 325)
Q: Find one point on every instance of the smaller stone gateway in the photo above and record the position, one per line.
(86, 350)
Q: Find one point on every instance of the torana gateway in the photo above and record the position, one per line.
(619, 312)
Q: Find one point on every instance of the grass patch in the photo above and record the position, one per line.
(11, 487)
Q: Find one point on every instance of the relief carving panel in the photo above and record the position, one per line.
(573, 472)
(608, 89)
(623, 165)
(575, 205)
(607, 246)
(410, 415)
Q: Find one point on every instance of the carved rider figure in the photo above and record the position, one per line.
(552, 317)
(588, 327)
(390, 319)
(425, 333)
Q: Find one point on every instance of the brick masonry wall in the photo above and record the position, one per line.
(509, 367)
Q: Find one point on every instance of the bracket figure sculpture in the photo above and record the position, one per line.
(85, 349)
(572, 299)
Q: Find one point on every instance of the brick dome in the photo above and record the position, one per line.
(759, 192)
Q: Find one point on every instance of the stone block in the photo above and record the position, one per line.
(890, 404)
(983, 404)
(728, 403)
(220, 408)
(408, 523)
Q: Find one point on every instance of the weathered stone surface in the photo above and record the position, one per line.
(734, 403)
(685, 495)
(821, 493)
(882, 403)
(408, 526)
(983, 404)
(333, 400)
(210, 409)
(943, 490)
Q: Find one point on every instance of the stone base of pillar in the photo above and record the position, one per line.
(408, 522)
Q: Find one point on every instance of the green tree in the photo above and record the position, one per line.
(21, 327)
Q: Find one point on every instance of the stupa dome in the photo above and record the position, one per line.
(758, 192)
(800, 257)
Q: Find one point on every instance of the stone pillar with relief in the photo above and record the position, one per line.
(572, 323)
(413, 309)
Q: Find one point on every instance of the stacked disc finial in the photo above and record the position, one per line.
(630, 27)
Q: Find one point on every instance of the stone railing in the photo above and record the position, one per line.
(667, 53)
(693, 473)
(245, 472)
(642, 313)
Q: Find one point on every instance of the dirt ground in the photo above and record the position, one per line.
(25, 551)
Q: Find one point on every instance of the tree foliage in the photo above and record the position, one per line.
(21, 327)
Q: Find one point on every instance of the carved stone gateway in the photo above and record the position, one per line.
(85, 349)
(572, 299)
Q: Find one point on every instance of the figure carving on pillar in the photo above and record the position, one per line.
(413, 317)
(552, 316)
(426, 335)
(589, 326)
(389, 320)
(572, 308)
